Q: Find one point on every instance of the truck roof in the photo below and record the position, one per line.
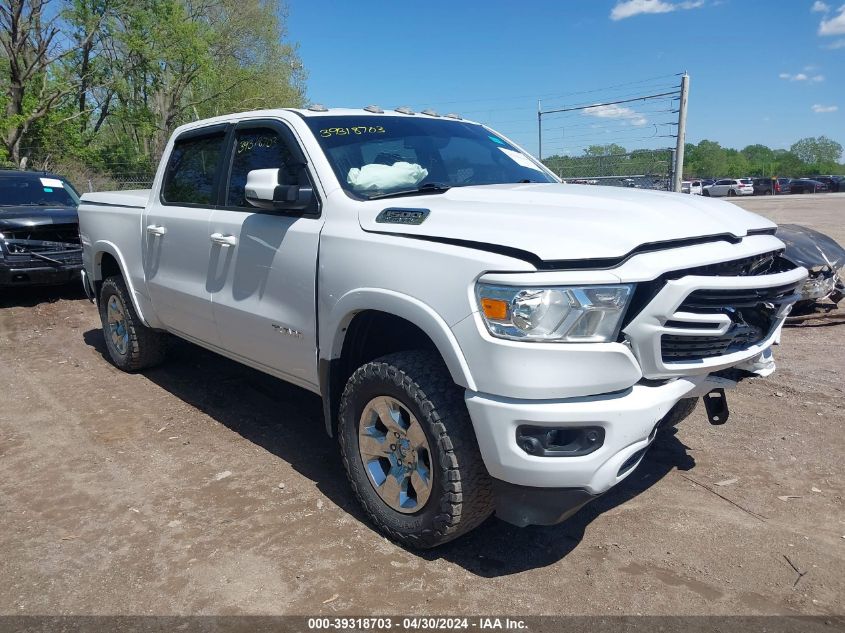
(322, 112)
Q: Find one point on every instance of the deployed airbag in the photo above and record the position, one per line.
(377, 177)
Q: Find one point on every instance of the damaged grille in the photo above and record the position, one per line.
(763, 264)
(56, 233)
(752, 312)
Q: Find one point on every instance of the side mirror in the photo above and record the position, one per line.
(263, 190)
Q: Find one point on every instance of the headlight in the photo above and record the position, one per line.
(565, 314)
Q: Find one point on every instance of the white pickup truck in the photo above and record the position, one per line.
(484, 338)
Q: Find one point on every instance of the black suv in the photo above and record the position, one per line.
(770, 186)
(834, 183)
(39, 229)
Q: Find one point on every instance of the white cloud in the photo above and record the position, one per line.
(802, 77)
(616, 112)
(835, 45)
(629, 8)
(835, 25)
(822, 109)
(820, 7)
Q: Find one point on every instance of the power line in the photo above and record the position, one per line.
(553, 95)
(608, 103)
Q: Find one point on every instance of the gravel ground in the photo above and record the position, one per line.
(206, 487)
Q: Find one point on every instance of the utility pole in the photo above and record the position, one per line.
(539, 131)
(682, 131)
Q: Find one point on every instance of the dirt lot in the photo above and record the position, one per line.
(161, 493)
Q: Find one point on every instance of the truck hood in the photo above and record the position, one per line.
(564, 222)
(28, 215)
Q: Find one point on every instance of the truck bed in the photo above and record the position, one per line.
(128, 198)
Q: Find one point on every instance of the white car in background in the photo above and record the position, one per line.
(730, 187)
(693, 187)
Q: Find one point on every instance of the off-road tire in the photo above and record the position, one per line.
(147, 347)
(680, 412)
(461, 495)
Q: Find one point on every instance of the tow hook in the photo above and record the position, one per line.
(716, 405)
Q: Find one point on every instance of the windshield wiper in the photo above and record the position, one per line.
(429, 187)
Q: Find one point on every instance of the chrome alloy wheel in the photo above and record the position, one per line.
(395, 453)
(117, 325)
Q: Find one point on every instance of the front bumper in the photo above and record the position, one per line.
(629, 419)
(38, 275)
(36, 262)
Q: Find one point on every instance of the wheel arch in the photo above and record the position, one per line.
(108, 261)
(371, 323)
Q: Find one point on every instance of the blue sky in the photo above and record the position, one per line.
(762, 71)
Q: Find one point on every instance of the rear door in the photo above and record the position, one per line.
(263, 270)
(720, 188)
(176, 234)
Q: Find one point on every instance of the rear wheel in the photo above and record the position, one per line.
(410, 451)
(130, 343)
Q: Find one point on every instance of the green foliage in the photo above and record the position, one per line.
(806, 157)
(121, 75)
(707, 159)
(821, 152)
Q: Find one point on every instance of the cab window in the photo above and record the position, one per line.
(261, 148)
(192, 170)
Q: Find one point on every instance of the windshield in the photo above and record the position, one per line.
(377, 156)
(30, 190)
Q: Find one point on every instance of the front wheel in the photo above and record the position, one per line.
(731, 193)
(410, 452)
(130, 343)
(706, 194)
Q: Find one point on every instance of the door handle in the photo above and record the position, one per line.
(224, 240)
(158, 231)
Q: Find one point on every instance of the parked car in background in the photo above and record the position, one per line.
(692, 187)
(807, 185)
(770, 186)
(823, 257)
(39, 229)
(729, 187)
(834, 183)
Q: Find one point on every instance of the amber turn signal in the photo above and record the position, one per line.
(494, 309)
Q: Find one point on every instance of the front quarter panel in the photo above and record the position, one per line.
(429, 284)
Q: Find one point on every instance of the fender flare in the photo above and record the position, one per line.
(403, 306)
(334, 326)
(100, 248)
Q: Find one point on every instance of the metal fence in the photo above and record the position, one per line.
(119, 182)
(645, 169)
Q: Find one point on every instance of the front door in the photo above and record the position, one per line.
(176, 235)
(263, 269)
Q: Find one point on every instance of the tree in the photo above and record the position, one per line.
(612, 149)
(103, 83)
(708, 158)
(31, 44)
(760, 160)
(816, 151)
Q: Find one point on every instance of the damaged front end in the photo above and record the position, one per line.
(823, 257)
(39, 254)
